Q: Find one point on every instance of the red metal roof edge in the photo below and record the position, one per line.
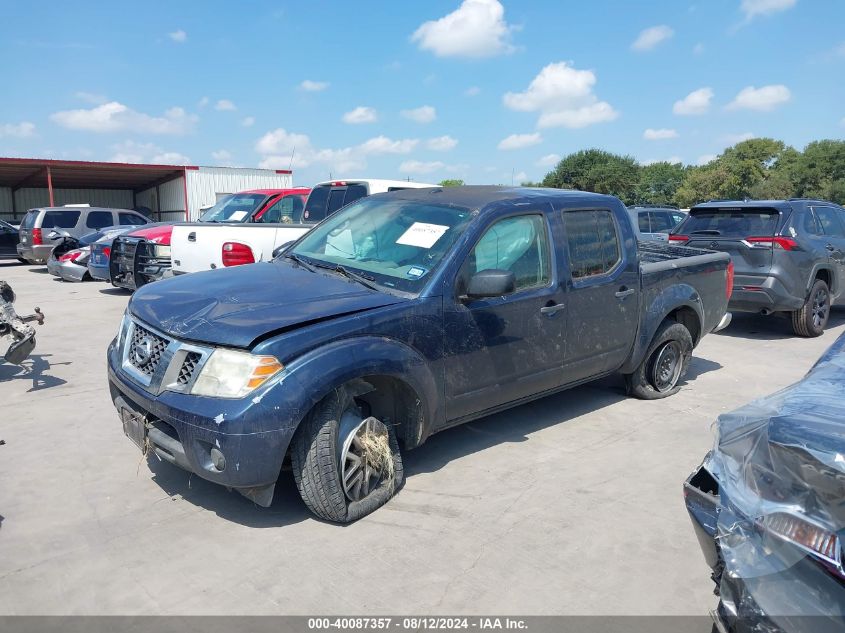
(57, 162)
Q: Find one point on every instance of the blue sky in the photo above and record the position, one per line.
(480, 90)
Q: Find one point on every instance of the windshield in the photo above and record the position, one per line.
(745, 222)
(395, 243)
(235, 208)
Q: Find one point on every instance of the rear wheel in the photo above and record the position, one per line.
(346, 463)
(811, 319)
(665, 363)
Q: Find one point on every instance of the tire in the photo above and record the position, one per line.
(670, 349)
(23, 261)
(811, 319)
(316, 460)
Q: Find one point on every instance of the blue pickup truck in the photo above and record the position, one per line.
(403, 314)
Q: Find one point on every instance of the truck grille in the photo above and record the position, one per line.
(145, 350)
(189, 366)
(134, 263)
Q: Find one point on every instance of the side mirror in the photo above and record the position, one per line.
(281, 249)
(491, 283)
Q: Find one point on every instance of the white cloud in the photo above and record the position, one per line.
(221, 155)
(659, 134)
(762, 99)
(178, 36)
(520, 177)
(277, 147)
(420, 167)
(564, 97)
(384, 145)
(441, 143)
(134, 152)
(90, 97)
(472, 91)
(651, 37)
(423, 114)
(313, 86)
(696, 102)
(520, 141)
(24, 129)
(476, 29)
(549, 160)
(753, 8)
(705, 158)
(361, 114)
(733, 139)
(224, 105)
(248, 121)
(203, 102)
(116, 117)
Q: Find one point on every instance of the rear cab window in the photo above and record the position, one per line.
(732, 222)
(325, 199)
(593, 241)
(60, 219)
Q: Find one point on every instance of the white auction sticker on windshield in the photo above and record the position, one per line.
(422, 234)
(238, 215)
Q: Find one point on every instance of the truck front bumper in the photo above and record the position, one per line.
(204, 435)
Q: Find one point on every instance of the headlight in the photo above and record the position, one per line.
(161, 251)
(231, 374)
(124, 325)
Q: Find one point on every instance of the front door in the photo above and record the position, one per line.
(8, 241)
(603, 311)
(505, 348)
(833, 224)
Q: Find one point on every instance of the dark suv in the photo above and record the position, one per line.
(788, 255)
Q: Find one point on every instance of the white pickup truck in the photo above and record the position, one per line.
(210, 245)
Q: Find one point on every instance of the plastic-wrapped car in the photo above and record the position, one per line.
(768, 506)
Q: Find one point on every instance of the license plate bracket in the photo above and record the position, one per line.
(134, 426)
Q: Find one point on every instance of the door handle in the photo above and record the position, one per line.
(192, 236)
(552, 309)
(624, 292)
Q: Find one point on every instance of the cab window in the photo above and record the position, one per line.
(518, 244)
(593, 242)
(287, 210)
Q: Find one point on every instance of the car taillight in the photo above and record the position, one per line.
(782, 243)
(37, 240)
(729, 281)
(106, 251)
(70, 256)
(679, 239)
(236, 254)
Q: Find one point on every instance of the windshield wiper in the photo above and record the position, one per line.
(300, 261)
(361, 279)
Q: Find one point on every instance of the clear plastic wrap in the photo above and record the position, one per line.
(780, 465)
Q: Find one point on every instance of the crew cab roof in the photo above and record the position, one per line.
(783, 205)
(271, 192)
(476, 197)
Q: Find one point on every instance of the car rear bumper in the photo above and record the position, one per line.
(186, 431)
(101, 273)
(759, 294)
(68, 271)
(36, 254)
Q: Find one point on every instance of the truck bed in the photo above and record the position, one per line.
(655, 256)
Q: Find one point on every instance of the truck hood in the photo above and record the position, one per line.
(236, 306)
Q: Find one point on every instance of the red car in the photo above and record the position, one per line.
(259, 205)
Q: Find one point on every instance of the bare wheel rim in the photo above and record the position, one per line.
(666, 368)
(820, 308)
(358, 475)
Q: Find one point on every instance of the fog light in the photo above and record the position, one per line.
(217, 459)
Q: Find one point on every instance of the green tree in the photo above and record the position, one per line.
(451, 182)
(659, 182)
(821, 171)
(596, 170)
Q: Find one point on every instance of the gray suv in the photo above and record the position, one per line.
(35, 245)
(788, 255)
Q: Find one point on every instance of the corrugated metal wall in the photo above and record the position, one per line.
(172, 203)
(206, 182)
(29, 198)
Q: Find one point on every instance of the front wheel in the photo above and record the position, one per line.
(811, 319)
(664, 365)
(346, 463)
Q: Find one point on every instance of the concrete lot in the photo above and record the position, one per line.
(569, 505)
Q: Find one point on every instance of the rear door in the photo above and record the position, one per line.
(833, 225)
(742, 232)
(64, 220)
(8, 240)
(325, 199)
(27, 224)
(602, 305)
